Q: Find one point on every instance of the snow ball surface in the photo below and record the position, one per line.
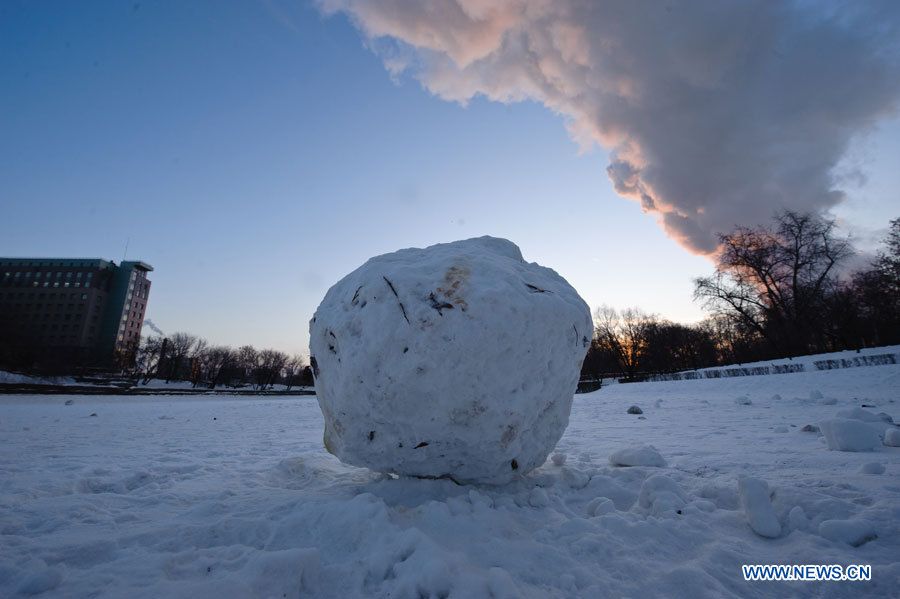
(645, 455)
(757, 504)
(458, 360)
(845, 434)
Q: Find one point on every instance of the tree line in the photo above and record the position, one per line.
(778, 291)
(186, 357)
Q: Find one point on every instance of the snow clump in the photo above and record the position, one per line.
(892, 437)
(872, 468)
(852, 532)
(459, 360)
(660, 495)
(645, 455)
(844, 434)
(757, 506)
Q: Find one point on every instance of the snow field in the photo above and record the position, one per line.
(200, 497)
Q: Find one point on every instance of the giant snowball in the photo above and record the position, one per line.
(458, 360)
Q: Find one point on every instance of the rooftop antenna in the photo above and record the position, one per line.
(125, 253)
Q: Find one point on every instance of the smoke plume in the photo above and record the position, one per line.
(714, 112)
(152, 326)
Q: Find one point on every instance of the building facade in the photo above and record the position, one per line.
(84, 311)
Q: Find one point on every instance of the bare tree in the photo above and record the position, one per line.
(623, 335)
(217, 360)
(269, 366)
(198, 357)
(247, 362)
(180, 347)
(292, 369)
(775, 281)
(149, 357)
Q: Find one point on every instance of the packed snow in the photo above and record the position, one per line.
(844, 434)
(235, 497)
(757, 504)
(458, 360)
(645, 455)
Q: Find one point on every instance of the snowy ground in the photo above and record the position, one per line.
(235, 497)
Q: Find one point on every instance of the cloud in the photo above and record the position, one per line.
(714, 112)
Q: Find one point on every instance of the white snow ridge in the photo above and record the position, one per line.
(458, 360)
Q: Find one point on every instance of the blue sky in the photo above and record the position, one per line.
(254, 155)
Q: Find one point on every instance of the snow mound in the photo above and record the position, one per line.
(457, 360)
(844, 434)
(892, 437)
(742, 400)
(797, 519)
(634, 410)
(645, 455)
(865, 416)
(538, 498)
(660, 495)
(872, 468)
(852, 532)
(599, 506)
(558, 459)
(754, 494)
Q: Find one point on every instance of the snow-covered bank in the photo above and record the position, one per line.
(870, 356)
(236, 498)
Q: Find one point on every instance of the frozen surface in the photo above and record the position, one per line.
(229, 497)
(458, 360)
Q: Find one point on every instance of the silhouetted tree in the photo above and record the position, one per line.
(776, 281)
(622, 334)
